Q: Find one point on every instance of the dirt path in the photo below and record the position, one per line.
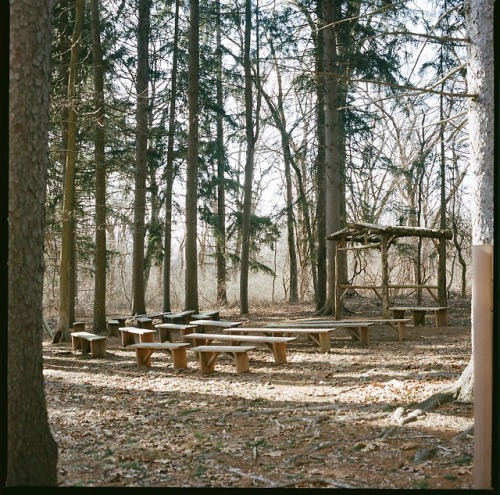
(321, 420)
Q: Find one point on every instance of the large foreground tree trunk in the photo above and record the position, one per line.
(476, 382)
(31, 450)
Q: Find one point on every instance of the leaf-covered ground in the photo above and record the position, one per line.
(318, 421)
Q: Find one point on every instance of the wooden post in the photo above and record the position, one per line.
(482, 343)
(385, 275)
(338, 299)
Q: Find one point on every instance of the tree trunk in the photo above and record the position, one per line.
(191, 268)
(320, 165)
(169, 174)
(66, 284)
(249, 164)
(480, 80)
(138, 287)
(220, 231)
(31, 450)
(333, 169)
(100, 176)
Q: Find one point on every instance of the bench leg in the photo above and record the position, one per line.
(398, 313)
(207, 361)
(418, 318)
(185, 332)
(75, 343)
(98, 348)
(179, 358)
(113, 329)
(363, 335)
(143, 357)
(165, 335)
(279, 351)
(147, 337)
(442, 318)
(401, 331)
(84, 346)
(127, 339)
(324, 342)
(241, 361)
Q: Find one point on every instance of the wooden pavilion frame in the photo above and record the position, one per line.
(375, 236)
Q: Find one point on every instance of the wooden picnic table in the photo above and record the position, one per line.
(358, 329)
(182, 317)
(207, 325)
(397, 324)
(166, 330)
(130, 334)
(277, 345)
(319, 336)
(207, 315)
(440, 313)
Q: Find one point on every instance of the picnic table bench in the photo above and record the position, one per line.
(440, 313)
(131, 334)
(177, 350)
(86, 341)
(208, 354)
(144, 322)
(397, 324)
(207, 315)
(277, 345)
(206, 325)
(319, 336)
(182, 317)
(166, 330)
(358, 329)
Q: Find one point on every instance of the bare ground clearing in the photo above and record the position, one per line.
(319, 421)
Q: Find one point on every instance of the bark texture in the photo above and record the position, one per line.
(31, 450)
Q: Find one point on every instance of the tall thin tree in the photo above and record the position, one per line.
(249, 164)
(100, 175)
(138, 285)
(66, 301)
(169, 169)
(191, 268)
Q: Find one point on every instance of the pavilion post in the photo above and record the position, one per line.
(385, 275)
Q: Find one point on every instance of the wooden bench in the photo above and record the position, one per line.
(207, 356)
(144, 322)
(121, 320)
(319, 336)
(207, 315)
(166, 330)
(79, 326)
(182, 317)
(86, 341)
(358, 329)
(207, 325)
(277, 345)
(397, 324)
(177, 350)
(440, 313)
(113, 326)
(131, 334)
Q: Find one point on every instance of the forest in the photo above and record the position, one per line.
(256, 158)
(199, 155)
